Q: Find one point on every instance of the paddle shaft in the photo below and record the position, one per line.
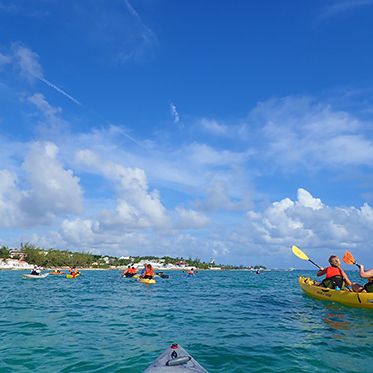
(314, 263)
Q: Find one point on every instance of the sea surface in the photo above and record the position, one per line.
(230, 321)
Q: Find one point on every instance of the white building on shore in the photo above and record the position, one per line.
(14, 264)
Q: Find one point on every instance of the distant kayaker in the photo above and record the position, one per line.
(336, 277)
(142, 272)
(368, 287)
(149, 272)
(191, 272)
(73, 271)
(130, 272)
(35, 271)
(127, 272)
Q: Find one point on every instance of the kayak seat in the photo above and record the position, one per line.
(178, 361)
(333, 282)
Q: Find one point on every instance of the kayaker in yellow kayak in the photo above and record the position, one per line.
(368, 287)
(73, 271)
(336, 277)
(365, 274)
(149, 272)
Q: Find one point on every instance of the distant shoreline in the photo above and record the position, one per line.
(123, 268)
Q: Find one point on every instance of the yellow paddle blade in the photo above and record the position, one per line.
(299, 253)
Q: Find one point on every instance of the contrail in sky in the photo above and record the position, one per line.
(28, 64)
(137, 16)
(47, 82)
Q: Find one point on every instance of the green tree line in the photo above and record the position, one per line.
(55, 258)
(61, 258)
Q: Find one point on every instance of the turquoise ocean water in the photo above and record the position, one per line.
(232, 321)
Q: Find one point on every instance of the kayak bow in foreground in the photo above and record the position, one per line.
(348, 298)
(174, 360)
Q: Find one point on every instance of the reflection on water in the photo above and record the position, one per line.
(337, 322)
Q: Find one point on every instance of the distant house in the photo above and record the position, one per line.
(215, 268)
(107, 260)
(180, 264)
(14, 264)
(15, 253)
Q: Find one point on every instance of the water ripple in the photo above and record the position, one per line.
(230, 321)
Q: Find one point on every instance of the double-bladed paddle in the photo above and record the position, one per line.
(349, 259)
(300, 254)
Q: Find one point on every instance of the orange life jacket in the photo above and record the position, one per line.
(149, 272)
(333, 271)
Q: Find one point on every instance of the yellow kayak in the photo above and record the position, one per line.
(147, 281)
(346, 297)
(71, 276)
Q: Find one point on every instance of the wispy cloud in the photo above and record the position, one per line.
(174, 113)
(148, 33)
(29, 67)
(339, 7)
(141, 33)
(26, 9)
(214, 127)
(301, 131)
(4, 60)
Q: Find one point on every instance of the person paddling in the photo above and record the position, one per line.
(130, 272)
(35, 271)
(127, 272)
(336, 277)
(73, 271)
(368, 287)
(348, 258)
(149, 272)
(364, 273)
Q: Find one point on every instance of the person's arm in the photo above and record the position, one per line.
(345, 277)
(321, 272)
(365, 274)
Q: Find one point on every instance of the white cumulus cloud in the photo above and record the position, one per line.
(188, 218)
(136, 204)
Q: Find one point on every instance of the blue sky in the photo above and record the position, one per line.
(205, 129)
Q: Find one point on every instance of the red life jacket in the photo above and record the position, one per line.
(333, 271)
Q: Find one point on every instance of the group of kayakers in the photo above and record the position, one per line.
(336, 277)
(147, 272)
(36, 271)
(130, 272)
